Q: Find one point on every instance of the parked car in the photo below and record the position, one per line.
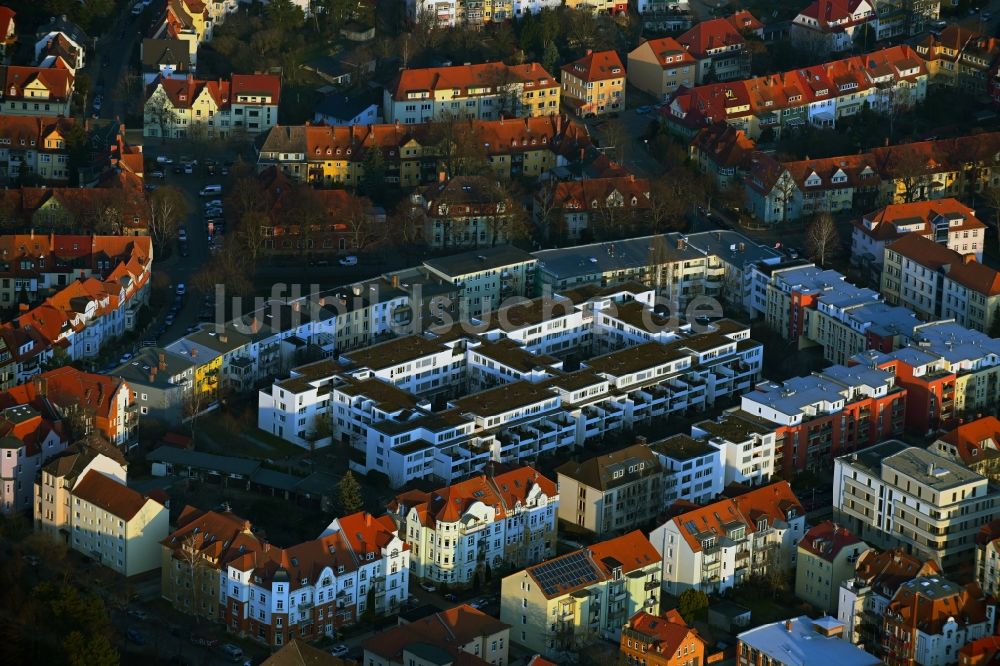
(138, 613)
(138, 9)
(213, 212)
(451, 597)
(201, 639)
(163, 159)
(428, 587)
(182, 235)
(233, 652)
(348, 261)
(156, 174)
(214, 203)
(210, 190)
(98, 103)
(135, 636)
(340, 650)
(643, 110)
(189, 168)
(180, 289)
(126, 357)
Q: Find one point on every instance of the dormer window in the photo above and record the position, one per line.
(182, 97)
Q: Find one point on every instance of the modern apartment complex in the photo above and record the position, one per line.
(612, 493)
(894, 495)
(720, 545)
(486, 276)
(748, 446)
(493, 520)
(821, 416)
(489, 91)
(560, 605)
(693, 469)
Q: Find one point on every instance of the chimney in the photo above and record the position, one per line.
(395, 281)
(246, 527)
(590, 51)
(788, 626)
(442, 176)
(368, 519)
(163, 361)
(968, 258)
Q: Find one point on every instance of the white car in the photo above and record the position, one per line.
(348, 261)
(181, 289)
(138, 9)
(163, 159)
(428, 587)
(340, 650)
(214, 203)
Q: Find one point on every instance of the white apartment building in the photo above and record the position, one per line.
(893, 495)
(313, 588)
(491, 520)
(717, 547)
(692, 469)
(486, 276)
(450, 13)
(988, 558)
(747, 445)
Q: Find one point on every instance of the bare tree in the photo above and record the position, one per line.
(362, 227)
(908, 169)
(616, 137)
(159, 111)
(253, 233)
(992, 196)
(167, 210)
(245, 195)
(507, 219)
(189, 555)
(822, 237)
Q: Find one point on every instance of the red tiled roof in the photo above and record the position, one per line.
(367, 534)
(668, 47)
(977, 440)
(914, 608)
(725, 145)
(709, 35)
(502, 492)
(772, 502)
(6, 18)
(182, 93)
(666, 633)
(744, 21)
(257, 84)
(988, 532)
(983, 651)
(629, 552)
(835, 14)
(583, 194)
(963, 269)
(58, 81)
(887, 570)
(597, 66)
(827, 539)
(449, 630)
(486, 75)
(105, 493)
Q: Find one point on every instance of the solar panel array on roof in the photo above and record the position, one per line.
(570, 571)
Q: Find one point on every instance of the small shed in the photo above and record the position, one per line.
(728, 616)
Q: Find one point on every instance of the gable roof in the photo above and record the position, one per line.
(773, 502)
(710, 35)
(156, 52)
(665, 633)
(502, 492)
(724, 145)
(601, 471)
(463, 77)
(963, 269)
(931, 601)
(257, 85)
(105, 493)
(584, 194)
(885, 571)
(976, 441)
(299, 653)
(57, 80)
(667, 47)
(447, 630)
(827, 539)
(593, 564)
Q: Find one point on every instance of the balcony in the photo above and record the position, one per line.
(651, 585)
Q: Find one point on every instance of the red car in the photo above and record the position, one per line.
(207, 641)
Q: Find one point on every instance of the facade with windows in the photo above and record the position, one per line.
(491, 520)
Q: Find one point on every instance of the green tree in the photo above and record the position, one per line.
(89, 651)
(284, 15)
(373, 178)
(78, 147)
(994, 331)
(691, 604)
(369, 614)
(349, 494)
(550, 58)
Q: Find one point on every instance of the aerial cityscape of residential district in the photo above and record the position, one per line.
(500, 332)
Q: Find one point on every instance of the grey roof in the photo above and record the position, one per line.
(733, 247)
(803, 644)
(275, 479)
(599, 471)
(347, 107)
(886, 319)
(138, 369)
(285, 139)
(870, 460)
(730, 609)
(328, 65)
(610, 256)
(956, 343)
(484, 259)
(64, 25)
(318, 483)
(929, 469)
(205, 461)
(157, 52)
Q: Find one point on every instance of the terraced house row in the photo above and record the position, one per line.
(101, 283)
(416, 154)
(884, 81)
(777, 191)
(34, 145)
(506, 393)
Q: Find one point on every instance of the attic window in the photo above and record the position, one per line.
(182, 97)
(370, 556)
(340, 569)
(317, 151)
(329, 151)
